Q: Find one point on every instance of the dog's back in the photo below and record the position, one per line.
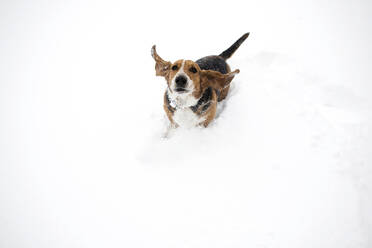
(218, 63)
(214, 63)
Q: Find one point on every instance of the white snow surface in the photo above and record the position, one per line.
(286, 163)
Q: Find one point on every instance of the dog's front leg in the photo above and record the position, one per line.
(170, 130)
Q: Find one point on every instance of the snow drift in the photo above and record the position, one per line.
(83, 163)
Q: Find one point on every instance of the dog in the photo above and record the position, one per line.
(194, 88)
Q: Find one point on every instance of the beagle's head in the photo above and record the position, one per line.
(186, 77)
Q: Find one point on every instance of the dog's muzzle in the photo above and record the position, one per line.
(180, 84)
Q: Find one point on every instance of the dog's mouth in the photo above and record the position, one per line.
(180, 90)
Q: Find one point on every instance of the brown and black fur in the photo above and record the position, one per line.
(211, 79)
(218, 63)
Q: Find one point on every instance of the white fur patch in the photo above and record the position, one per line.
(183, 100)
(185, 117)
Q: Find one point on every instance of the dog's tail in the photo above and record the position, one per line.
(230, 51)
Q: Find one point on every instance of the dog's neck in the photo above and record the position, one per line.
(181, 101)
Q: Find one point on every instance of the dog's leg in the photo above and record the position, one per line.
(169, 131)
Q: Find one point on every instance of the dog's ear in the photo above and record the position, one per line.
(162, 67)
(216, 79)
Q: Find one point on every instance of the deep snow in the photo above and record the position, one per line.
(287, 162)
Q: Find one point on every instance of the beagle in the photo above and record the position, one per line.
(194, 88)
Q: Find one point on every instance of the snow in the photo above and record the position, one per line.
(83, 161)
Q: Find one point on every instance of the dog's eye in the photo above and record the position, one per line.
(174, 67)
(193, 70)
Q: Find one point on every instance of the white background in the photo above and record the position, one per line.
(287, 162)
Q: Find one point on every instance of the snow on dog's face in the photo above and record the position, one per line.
(185, 78)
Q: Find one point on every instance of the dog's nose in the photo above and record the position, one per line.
(181, 81)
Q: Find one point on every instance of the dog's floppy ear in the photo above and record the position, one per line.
(216, 79)
(162, 67)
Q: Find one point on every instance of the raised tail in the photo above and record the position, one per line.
(230, 51)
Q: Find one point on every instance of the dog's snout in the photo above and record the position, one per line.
(181, 81)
